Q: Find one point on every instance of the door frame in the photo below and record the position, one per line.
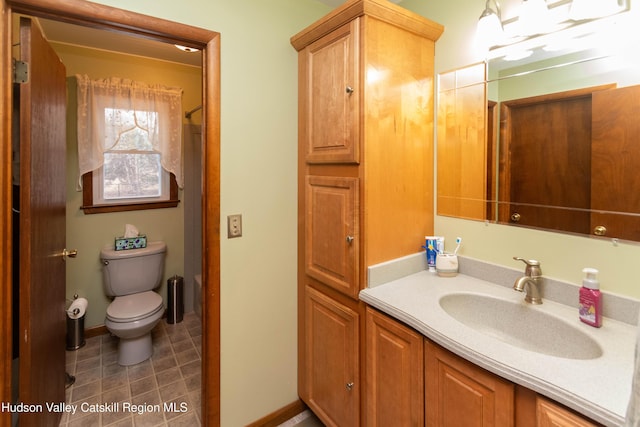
(99, 16)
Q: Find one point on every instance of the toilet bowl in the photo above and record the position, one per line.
(131, 318)
(130, 276)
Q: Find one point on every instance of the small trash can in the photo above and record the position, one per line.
(175, 299)
(75, 332)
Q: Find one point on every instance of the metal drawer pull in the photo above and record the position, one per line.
(350, 239)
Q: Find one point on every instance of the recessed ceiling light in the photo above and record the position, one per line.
(187, 49)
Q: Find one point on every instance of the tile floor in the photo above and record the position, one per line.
(303, 419)
(106, 394)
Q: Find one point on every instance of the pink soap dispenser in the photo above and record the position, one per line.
(591, 299)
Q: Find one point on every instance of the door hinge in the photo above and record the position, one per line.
(20, 71)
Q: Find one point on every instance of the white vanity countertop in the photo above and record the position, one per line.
(598, 388)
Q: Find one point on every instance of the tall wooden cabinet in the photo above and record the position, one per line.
(365, 184)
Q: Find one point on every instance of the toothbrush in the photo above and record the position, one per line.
(458, 241)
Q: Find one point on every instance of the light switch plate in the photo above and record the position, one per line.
(234, 226)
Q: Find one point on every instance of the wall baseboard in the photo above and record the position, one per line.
(95, 331)
(281, 415)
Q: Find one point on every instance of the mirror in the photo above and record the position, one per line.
(551, 141)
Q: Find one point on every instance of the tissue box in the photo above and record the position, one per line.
(123, 243)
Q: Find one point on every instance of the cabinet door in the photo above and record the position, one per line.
(330, 95)
(331, 252)
(458, 393)
(394, 373)
(331, 360)
(550, 414)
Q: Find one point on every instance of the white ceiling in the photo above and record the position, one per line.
(76, 35)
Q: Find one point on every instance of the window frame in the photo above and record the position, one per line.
(88, 206)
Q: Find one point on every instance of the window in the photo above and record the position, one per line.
(127, 146)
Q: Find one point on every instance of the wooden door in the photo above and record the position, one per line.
(329, 85)
(546, 161)
(332, 232)
(42, 227)
(458, 393)
(331, 362)
(394, 373)
(616, 158)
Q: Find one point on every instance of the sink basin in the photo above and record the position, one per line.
(520, 325)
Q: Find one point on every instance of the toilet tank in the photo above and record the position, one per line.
(133, 270)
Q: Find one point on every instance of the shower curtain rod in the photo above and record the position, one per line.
(189, 113)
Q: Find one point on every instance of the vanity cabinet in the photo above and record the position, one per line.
(550, 414)
(394, 392)
(365, 181)
(534, 410)
(459, 393)
(412, 381)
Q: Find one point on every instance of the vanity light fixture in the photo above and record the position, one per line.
(534, 18)
(589, 9)
(544, 24)
(490, 31)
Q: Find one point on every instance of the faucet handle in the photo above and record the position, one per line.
(529, 262)
(533, 266)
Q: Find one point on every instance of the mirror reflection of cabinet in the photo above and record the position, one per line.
(464, 182)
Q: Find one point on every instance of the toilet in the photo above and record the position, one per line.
(131, 276)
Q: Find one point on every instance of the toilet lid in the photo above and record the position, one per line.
(133, 307)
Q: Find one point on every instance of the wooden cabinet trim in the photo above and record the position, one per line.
(379, 9)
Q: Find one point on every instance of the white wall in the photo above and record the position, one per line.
(562, 256)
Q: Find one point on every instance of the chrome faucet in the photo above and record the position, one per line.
(530, 281)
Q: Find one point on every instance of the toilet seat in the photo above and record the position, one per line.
(130, 308)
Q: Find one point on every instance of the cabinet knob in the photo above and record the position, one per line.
(350, 239)
(349, 90)
(349, 386)
(515, 217)
(600, 230)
